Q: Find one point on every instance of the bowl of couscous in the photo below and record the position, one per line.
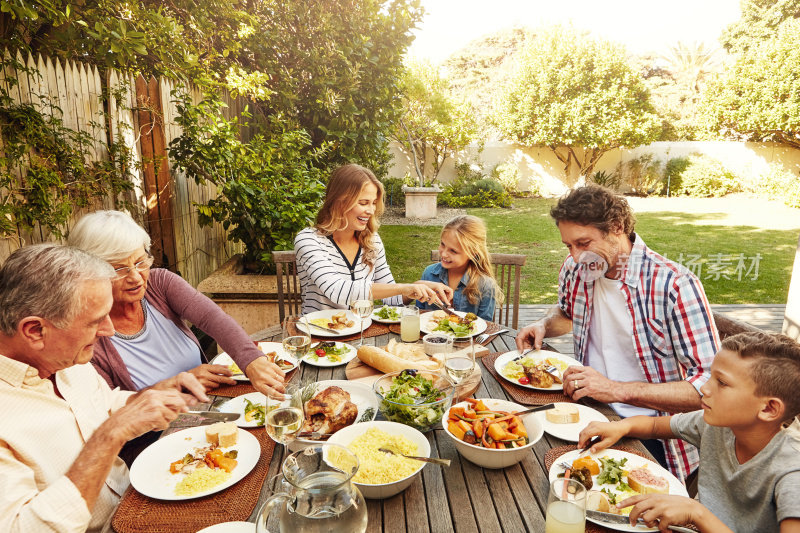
(382, 475)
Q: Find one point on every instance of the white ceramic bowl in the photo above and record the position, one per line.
(432, 347)
(346, 435)
(488, 458)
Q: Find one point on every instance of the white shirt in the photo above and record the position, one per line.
(41, 435)
(610, 348)
(328, 281)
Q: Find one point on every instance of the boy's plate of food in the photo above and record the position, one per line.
(566, 420)
(458, 324)
(329, 353)
(251, 407)
(531, 371)
(611, 476)
(195, 462)
(387, 314)
(333, 323)
(274, 352)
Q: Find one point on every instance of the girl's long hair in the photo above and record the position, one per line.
(341, 195)
(470, 232)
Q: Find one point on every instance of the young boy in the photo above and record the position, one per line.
(749, 478)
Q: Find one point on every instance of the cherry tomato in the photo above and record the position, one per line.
(320, 352)
(524, 380)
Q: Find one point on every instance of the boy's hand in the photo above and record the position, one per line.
(610, 432)
(662, 510)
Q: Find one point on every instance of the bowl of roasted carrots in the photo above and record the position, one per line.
(489, 433)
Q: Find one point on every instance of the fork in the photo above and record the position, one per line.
(483, 337)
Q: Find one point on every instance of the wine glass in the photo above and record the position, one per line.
(285, 414)
(566, 507)
(296, 336)
(459, 360)
(362, 309)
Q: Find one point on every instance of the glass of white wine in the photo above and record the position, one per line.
(285, 414)
(459, 360)
(296, 337)
(566, 507)
(362, 309)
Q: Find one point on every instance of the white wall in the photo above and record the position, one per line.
(539, 165)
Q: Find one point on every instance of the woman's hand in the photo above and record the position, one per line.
(443, 292)
(212, 376)
(265, 376)
(423, 293)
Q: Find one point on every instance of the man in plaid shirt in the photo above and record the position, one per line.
(641, 324)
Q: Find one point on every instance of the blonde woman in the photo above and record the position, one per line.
(342, 259)
(465, 267)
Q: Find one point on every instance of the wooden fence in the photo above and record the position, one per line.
(143, 118)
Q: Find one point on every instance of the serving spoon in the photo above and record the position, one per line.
(434, 460)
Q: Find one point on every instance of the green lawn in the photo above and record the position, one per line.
(527, 228)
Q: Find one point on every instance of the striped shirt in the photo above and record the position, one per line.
(329, 281)
(674, 334)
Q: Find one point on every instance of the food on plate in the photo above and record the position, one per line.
(581, 475)
(563, 414)
(397, 356)
(588, 463)
(329, 411)
(329, 350)
(337, 321)
(536, 375)
(254, 411)
(205, 467)
(200, 480)
(222, 434)
(515, 371)
(278, 360)
(598, 501)
(611, 470)
(451, 323)
(481, 426)
(234, 368)
(409, 397)
(387, 312)
(644, 481)
(376, 467)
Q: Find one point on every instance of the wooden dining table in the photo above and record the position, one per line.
(462, 497)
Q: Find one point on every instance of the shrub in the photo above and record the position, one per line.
(606, 179)
(468, 172)
(482, 198)
(394, 196)
(673, 173)
(705, 177)
(779, 183)
(507, 174)
(485, 184)
(642, 174)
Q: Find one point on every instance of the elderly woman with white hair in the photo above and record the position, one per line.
(151, 342)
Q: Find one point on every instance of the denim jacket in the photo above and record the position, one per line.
(485, 306)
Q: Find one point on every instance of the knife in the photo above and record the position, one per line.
(215, 416)
(329, 330)
(544, 407)
(611, 518)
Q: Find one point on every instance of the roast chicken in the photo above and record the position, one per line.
(329, 411)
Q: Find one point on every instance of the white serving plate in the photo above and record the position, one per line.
(267, 347)
(325, 362)
(570, 432)
(504, 359)
(328, 313)
(237, 404)
(376, 318)
(426, 324)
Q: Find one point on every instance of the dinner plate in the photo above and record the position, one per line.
(266, 347)
(570, 432)
(328, 313)
(506, 358)
(230, 527)
(150, 471)
(426, 324)
(376, 318)
(361, 394)
(348, 356)
(634, 461)
(237, 405)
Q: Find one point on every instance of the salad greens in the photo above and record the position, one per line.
(327, 349)
(611, 470)
(417, 396)
(388, 313)
(460, 327)
(254, 411)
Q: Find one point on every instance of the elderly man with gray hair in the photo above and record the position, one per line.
(63, 426)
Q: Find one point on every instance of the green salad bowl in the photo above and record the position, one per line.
(398, 400)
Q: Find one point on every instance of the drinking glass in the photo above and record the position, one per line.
(362, 309)
(296, 337)
(566, 507)
(459, 360)
(409, 324)
(285, 414)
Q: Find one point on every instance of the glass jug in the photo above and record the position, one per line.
(316, 495)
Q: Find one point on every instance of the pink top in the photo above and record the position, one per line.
(174, 298)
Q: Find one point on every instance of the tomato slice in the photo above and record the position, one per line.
(320, 352)
(524, 380)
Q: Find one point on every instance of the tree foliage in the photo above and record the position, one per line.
(759, 22)
(758, 97)
(579, 97)
(433, 122)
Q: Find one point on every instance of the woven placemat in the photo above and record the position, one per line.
(242, 387)
(139, 514)
(523, 395)
(491, 327)
(375, 329)
(553, 454)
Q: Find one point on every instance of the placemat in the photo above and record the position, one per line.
(139, 514)
(491, 327)
(523, 395)
(242, 387)
(375, 329)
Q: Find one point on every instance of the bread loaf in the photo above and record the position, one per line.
(222, 434)
(389, 362)
(563, 413)
(644, 481)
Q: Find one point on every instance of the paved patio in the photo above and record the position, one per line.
(768, 317)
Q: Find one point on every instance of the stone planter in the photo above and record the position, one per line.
(421, 201)
(252, 300)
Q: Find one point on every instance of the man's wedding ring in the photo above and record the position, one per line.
(575, 384)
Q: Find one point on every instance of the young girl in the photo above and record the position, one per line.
(342, 257)
(465, 267)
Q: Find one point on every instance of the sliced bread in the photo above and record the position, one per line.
(563, 413)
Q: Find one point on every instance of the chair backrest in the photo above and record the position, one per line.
(507, 269)
(289, 299)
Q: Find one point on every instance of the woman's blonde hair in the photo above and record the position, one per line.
(470, 232)
(341, 195)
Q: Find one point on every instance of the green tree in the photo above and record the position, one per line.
(579, 97)
(759, 22)
(758, 97)
(433, 122)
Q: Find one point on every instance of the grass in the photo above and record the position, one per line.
(528, 229)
